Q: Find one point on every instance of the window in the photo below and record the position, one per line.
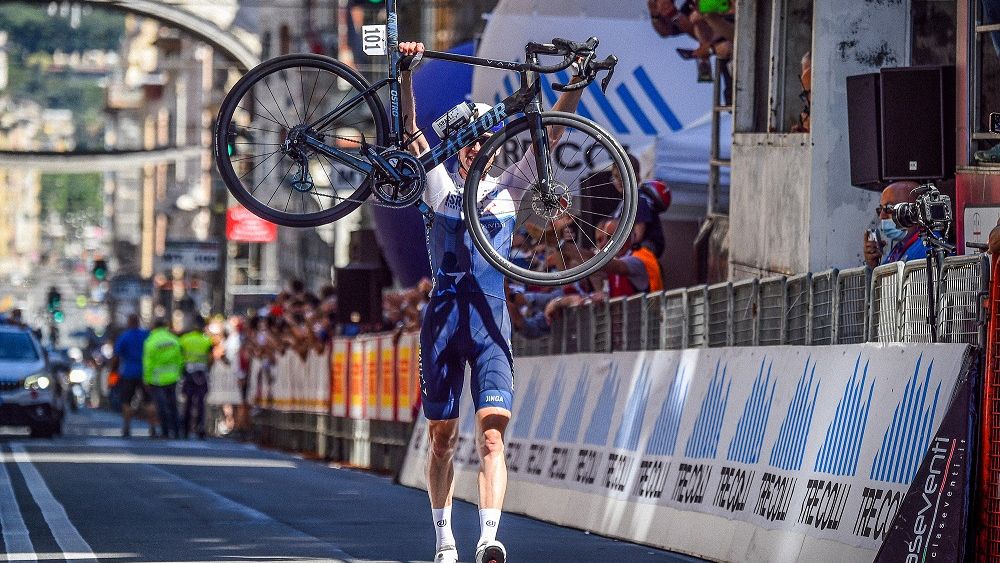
(781, 32)
(985, 73)
(933, 30)
(17, 347)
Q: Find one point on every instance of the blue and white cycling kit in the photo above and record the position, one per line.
(466, 320)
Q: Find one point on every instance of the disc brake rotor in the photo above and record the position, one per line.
(553, 205)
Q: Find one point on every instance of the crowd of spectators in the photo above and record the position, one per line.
(709, 22)
(298, 320)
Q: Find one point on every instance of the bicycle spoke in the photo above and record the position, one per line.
(258, 164)
(264, 117)
(277, 105)
(278, 186)
(254, 190)
(291, 98)
(311, 92)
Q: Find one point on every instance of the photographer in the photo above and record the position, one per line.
(903, 244)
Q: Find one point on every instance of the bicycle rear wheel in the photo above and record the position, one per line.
(294, 185)
(559, 235)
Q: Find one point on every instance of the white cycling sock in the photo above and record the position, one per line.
(442, 527)
(489, 521)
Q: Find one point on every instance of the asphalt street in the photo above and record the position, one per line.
(91, 495)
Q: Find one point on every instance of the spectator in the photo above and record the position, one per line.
(668, 20)
(905, 244)
(163, 363)
(647, 230)
(196, 347)
(805, 78)
(635, 270)
(128, 363)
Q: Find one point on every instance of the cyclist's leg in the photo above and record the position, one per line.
(492, 386)
(442, 375)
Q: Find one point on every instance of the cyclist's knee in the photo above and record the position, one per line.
(490, 442)
(443, 437)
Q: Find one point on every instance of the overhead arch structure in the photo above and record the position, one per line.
(216, 23)
(211, 22)
(107, 161)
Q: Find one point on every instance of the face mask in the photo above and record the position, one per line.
(891, 231)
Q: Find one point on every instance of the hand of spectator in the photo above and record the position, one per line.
(873, 251)
(555, 306)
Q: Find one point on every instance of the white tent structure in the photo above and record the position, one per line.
(654, 105)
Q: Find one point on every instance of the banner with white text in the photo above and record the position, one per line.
(786, 453)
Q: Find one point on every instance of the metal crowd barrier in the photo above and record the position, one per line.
(888, 304)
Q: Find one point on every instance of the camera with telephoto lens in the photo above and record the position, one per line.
(931, 211)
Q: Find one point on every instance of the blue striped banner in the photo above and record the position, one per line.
(839, 453)
(664, 437)
(600, 419)
(661, 105)
(906, 438)
(574, 412)
(704, 439)
(547, 424)
(526, 412)
(746, 443)
(627, 436)
(794, 432)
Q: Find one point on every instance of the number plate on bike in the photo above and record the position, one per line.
(374, 39)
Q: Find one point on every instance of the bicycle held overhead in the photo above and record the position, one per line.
(304, 140)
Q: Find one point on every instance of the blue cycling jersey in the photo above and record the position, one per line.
(466, 321)
(457, 265)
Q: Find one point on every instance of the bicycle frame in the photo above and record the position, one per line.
(526, 99)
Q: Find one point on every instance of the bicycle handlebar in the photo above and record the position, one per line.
(583, 53)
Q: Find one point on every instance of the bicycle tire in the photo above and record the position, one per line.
(226, 131)
(629, 195)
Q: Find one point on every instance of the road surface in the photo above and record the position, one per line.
(91, 495)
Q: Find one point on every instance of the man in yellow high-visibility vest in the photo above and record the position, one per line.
(163, 364)
(197, 348)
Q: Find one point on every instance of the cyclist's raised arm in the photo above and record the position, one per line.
(519, 177)
(567, 102)
(409, 107)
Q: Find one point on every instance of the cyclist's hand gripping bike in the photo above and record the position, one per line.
(304, 140)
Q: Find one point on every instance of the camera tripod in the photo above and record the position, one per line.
(937, 249)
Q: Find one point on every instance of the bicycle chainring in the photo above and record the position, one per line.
(407, 192)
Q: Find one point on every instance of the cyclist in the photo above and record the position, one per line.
(466, 321)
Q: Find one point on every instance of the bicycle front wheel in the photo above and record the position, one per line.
(555, 230)
(287, 97)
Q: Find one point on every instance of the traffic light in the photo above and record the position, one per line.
(100, 270)
(58, 316)
(54, 300)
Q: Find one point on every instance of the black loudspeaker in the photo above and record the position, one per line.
(864, 130)
(918, 123)
(901, 125)
(359, 294)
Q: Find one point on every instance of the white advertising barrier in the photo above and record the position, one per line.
(223, 385)
(654, 96)
(733, 454)
(300, 384)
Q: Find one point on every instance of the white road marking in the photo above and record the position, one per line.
(138, 458)
(65, 533)
(16, 538)
(214, 501)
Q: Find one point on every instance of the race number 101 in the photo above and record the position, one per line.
(373, 37)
